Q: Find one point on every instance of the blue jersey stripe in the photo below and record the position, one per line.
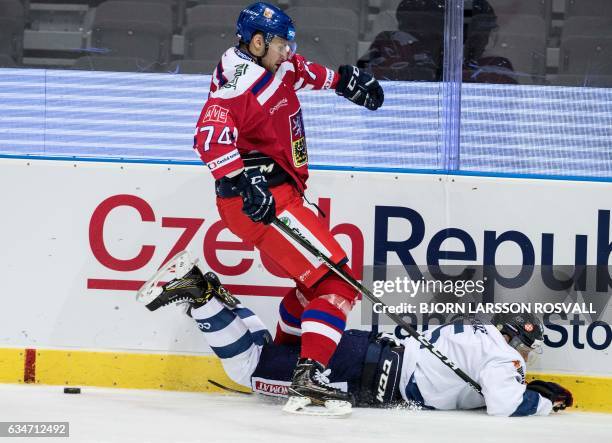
(413, 394)
(220, 77)
(236, 348)
(529, 405)
(261, 83)
(243, 313)
(261, 337)
(288, 318)
(217, 322)
(313, 314)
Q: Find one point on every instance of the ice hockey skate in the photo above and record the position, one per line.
(311, 394)
(185, 284)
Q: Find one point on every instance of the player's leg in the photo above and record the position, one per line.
(366, 366)
(329, 298)
(234, 333)
(324, 298)
(324, 318)
(290, 309)
(274, 373)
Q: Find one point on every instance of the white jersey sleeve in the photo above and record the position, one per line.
(505, 393)
(482, 352)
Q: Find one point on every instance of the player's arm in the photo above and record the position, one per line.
(311, 76)
(505, 395)
(350, 82)
(216, 143)
(359, 87)
(560, 397)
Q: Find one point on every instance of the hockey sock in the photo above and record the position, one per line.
(324, 318)
(288, 329)
(322, 328)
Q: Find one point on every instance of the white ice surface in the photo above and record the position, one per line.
(118, 415)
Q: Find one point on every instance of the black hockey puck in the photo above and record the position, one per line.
(72, 390)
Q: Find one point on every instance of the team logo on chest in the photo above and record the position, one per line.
(298, 139)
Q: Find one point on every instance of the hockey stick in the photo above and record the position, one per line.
(227, 388)
(297, 236)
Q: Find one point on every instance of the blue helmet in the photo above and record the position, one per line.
(266, 18)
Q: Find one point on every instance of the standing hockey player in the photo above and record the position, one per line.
(251, 135)
(374, 370)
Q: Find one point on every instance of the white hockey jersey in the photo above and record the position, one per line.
(482, 352)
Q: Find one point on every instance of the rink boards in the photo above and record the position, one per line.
(78, 238)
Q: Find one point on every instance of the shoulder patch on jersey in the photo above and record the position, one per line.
(239, 74)
(215, 113)
(239, 71)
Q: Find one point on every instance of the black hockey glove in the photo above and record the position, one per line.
(360, 87)
(257, 200)
(560, 397)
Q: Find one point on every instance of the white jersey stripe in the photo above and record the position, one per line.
(225, 336)
(269, 90)
(284, 68)
(298, 84)
(289, 329)
(207, 311)
(315, 327)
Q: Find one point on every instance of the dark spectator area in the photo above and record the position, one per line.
(555, 42)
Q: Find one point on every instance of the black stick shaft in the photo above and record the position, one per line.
(300, 239)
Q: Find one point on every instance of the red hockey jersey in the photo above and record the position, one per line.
(249, 109)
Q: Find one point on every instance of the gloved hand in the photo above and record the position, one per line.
(560, 397)
(360, 87)
(257, 200)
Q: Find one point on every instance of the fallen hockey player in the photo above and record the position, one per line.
(366, 370)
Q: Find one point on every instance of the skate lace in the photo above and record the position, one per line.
(322, 377)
